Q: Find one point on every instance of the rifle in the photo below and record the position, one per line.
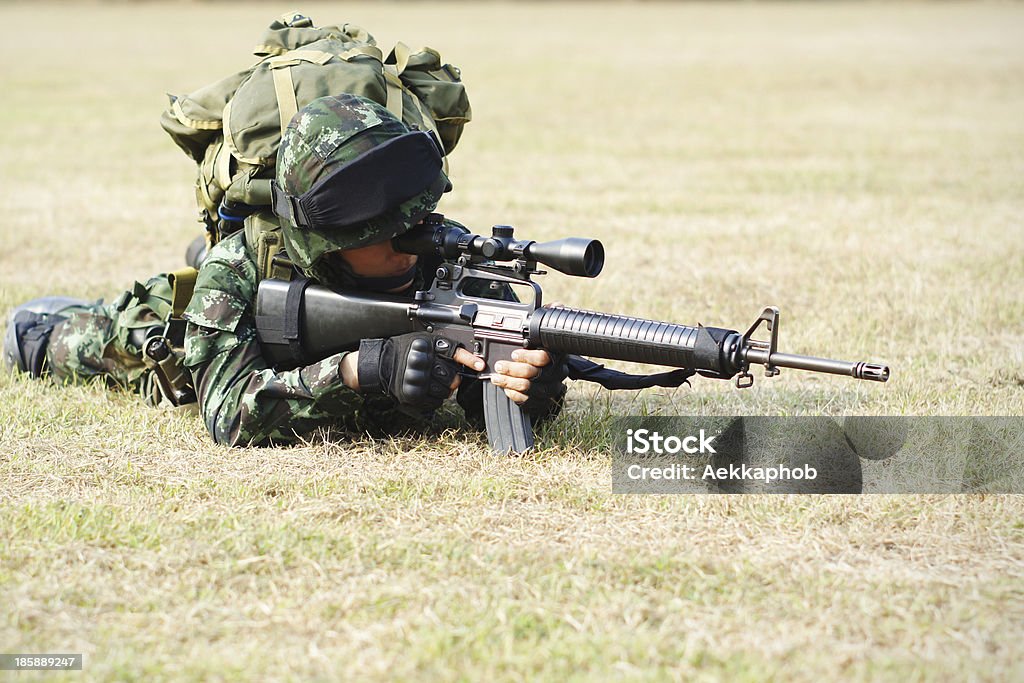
(483, 298)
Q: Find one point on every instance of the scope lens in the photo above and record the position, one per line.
(593, 259)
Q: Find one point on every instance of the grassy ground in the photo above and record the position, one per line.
(860, 166)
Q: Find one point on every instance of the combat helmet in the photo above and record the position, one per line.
(350, 174)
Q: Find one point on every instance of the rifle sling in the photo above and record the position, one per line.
(292, 317)
(581, 368)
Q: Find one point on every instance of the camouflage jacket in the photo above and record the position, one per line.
(243, 400)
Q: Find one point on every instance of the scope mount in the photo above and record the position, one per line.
(487, 253)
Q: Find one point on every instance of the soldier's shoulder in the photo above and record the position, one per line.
(233, 253)
(230, 266)
(225, 286)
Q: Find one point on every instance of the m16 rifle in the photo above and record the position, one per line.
(471, 303)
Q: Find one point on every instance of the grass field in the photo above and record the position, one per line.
(859, 165)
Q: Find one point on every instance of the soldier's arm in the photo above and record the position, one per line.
(242, 399)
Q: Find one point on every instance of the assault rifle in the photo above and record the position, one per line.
(483, 298)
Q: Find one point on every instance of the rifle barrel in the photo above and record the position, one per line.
(858, 370)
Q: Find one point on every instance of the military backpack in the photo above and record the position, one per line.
(232, 128)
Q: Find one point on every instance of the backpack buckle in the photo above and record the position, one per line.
(281, 267)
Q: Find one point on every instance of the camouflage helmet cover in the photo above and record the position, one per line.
(324, 135)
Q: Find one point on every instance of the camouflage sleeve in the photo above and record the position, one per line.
(242, 399)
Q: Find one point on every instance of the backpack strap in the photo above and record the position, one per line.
(183, 283)
(222, 166)
(284, 85)
(394, 67)
(362, 51)
(284, 89)
(395, 89)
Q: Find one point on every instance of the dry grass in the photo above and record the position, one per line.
(858, 165)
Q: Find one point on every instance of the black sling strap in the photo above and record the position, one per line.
(581, 368)
(292, 332)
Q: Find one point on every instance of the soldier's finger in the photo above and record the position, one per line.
(514, 383)
(516, 396)
(455, 383)
(525, 370)
(464, 357)
(536, 357)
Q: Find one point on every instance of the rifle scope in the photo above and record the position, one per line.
(573, 255)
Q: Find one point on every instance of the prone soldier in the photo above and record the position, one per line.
(365, 178)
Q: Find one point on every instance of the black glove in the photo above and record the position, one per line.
(415, 369)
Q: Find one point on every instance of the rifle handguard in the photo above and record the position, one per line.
(619, 337)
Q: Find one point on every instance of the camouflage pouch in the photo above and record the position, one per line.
(144, 307)
(149, 337)
(263, 235)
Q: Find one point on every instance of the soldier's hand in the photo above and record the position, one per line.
(350, 368)
(418, 370)
(516, 376)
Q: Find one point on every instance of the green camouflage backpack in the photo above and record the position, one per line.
(232, 128)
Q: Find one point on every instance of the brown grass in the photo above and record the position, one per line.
(859, 165)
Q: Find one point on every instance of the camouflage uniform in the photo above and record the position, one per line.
(104, 340)
(242, 399)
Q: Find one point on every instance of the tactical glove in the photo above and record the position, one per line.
(415, 369)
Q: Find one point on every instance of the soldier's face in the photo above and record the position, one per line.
(377, 260)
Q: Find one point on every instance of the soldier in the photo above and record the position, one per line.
(367, 179)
